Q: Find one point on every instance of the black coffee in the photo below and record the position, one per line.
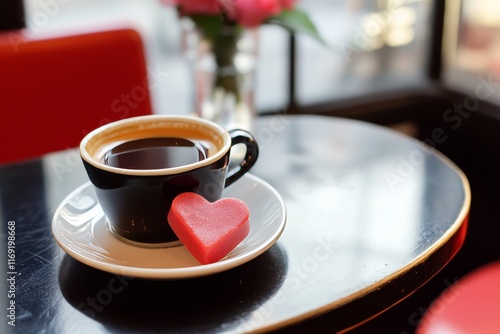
(155, 153)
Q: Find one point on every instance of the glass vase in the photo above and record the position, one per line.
(223, 71)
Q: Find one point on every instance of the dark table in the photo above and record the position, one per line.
(372, 215)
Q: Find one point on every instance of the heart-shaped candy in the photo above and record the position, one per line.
(208, 230)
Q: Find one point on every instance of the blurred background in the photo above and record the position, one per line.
(374, 46)
(368, 44)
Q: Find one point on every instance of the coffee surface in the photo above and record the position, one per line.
(155, 153)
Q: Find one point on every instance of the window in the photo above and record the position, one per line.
(373, 46)
(471, 48)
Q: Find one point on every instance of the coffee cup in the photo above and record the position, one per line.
(139, 165)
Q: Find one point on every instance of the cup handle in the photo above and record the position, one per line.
(251, 154)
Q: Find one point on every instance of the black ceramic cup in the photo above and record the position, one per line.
(136, 200)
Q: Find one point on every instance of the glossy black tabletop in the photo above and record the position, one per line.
(371, 216)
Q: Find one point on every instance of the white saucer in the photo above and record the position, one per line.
(81, 229)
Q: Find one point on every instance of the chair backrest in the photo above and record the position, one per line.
(55, 90)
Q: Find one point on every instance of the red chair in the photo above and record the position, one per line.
(471, 305)
(55, 90)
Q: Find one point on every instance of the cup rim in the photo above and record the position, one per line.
(86, 156)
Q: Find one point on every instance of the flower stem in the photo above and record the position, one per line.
(225, 48)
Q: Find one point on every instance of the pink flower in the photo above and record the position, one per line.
(251, 13)
(288, 4)
(188, 7)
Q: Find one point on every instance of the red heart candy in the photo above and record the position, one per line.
(209, 231)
